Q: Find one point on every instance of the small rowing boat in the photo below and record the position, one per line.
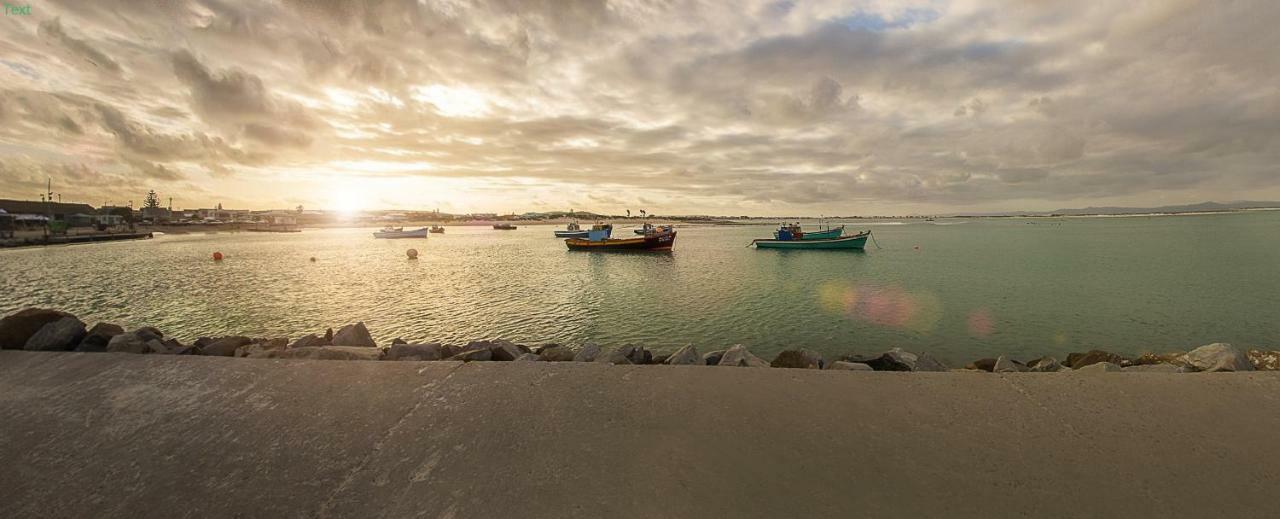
(504, 227)
(656, 241)
(853, 241)
(436, 229)
(399, 232)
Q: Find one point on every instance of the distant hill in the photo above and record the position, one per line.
(1203, 207)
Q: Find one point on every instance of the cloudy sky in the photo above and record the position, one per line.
(744, 107)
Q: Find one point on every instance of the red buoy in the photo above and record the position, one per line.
(217, 256)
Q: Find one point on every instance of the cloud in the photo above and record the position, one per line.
(52, 30)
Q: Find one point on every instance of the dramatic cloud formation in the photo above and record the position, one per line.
(766, 107)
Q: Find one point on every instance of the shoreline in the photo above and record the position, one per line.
(40, 329)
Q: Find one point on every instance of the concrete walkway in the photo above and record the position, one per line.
(115, 435)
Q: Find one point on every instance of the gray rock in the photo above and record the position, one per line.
(926, 362)
(354, 335)
(528, 357)
(1218, 356)
(159, 347)
(845, 365)
(429, 351)
(1099, 367)
(98, 337)
(738, 356)
(17, 328)
(589, 352)
(713, 358)
(1153, 368)
(61, 335)
(148, 332)
(799, 359)
(261, 345)
(686, 356)
(398, 340)
(628, 354)
(1045, 365)
(557, 354)
(895, 359)
(473, 355)
(986, 364)
(330, 353)
(225, 346)
(504, 350)
(305, 341)
(1007, 365)
(1264, 360)
(1080, 360)
(129, 342)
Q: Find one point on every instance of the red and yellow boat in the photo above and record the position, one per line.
(657, 241)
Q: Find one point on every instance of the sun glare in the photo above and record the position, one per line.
(452, 101)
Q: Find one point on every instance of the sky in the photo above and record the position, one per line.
(676, 107)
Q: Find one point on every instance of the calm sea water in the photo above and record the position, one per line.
(957, 288)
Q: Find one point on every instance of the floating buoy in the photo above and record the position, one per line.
(313, 259)
(917, 247)
(412, 253)
(217, 256)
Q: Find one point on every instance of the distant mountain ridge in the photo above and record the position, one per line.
(1203, 207)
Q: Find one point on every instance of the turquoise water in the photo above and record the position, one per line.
(958, 288)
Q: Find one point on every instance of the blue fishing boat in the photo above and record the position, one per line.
(788, 241)
(575, 231)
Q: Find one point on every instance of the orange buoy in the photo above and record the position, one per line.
(217, 256)
(412, 253)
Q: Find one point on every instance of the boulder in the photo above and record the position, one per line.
(473, 355)
(1177, 358)
(1153, 368)
(398, 340)
(353, 335)
(17, 328)
(505, 351)
(629, 354)
(1045, 365)
(1218, 357)
(1263, 360)
(713, 358)
(688, 355)
(225, 346)
(429, 351)
(61, 335)
(330, 353)
(895, 359)
(1099, 367)
(131, 342)
(159, 347)
(97, 338)
(1007, 365)
(1080, 360)
(799, 359)
(589, 352)
(261, 345)
(148, 333)
(845, 365)
(305, 341)
(926, 362)
(738, 356)
(528, 357)
(986, 364)
(557, 353)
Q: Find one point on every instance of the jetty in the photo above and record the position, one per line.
(69, 239)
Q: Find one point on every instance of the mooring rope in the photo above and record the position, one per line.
(873, 239)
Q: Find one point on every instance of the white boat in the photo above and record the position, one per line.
(399, 232)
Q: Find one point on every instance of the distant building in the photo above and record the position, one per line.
(57, 210)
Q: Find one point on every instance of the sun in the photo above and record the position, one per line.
(348, 202)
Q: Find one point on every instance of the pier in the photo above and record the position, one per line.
(71, 239)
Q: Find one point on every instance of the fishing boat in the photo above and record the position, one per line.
(797, 233)
(597, 241)
(436, 229)
(853, 241)
(575, 231)
(648, 228)
(504, 227)
(399, 232)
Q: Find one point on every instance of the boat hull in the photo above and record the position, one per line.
(652, 242)
(416, 233)
(571, 234)
(820, 235)
(857, 241)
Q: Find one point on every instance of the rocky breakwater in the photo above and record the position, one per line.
(38, 329)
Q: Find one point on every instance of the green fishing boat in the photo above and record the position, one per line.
(797, 233)
(853, 241)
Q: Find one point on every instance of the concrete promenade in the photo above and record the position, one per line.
(117, 435)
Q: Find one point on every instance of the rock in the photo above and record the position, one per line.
(799, 359)
(1263, 360)
(1177, 358)
(738, 356)
(429, 351)
(849, 366)
(328, 335)
(926, 362)
(131, 342)
(987, 365)
(528, 357)
(893, 360)
(1007, 365)
(556, 353)
(713, 358)
(473, 355)
(157, 346)
(1080, 360)
(261, 345)
(1099, 367)
(225, 346)
(98, 337)
(661, 358)
(1153, 368)
(686, 356)
(629, 354)
(17, 328)
(1218, 357)
(148, 333)
(588, 353)
(306, 341)
(398, 340)
(1045, 365)
(353, 335)
(505, 350)
(61, 335)
(330, 353)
